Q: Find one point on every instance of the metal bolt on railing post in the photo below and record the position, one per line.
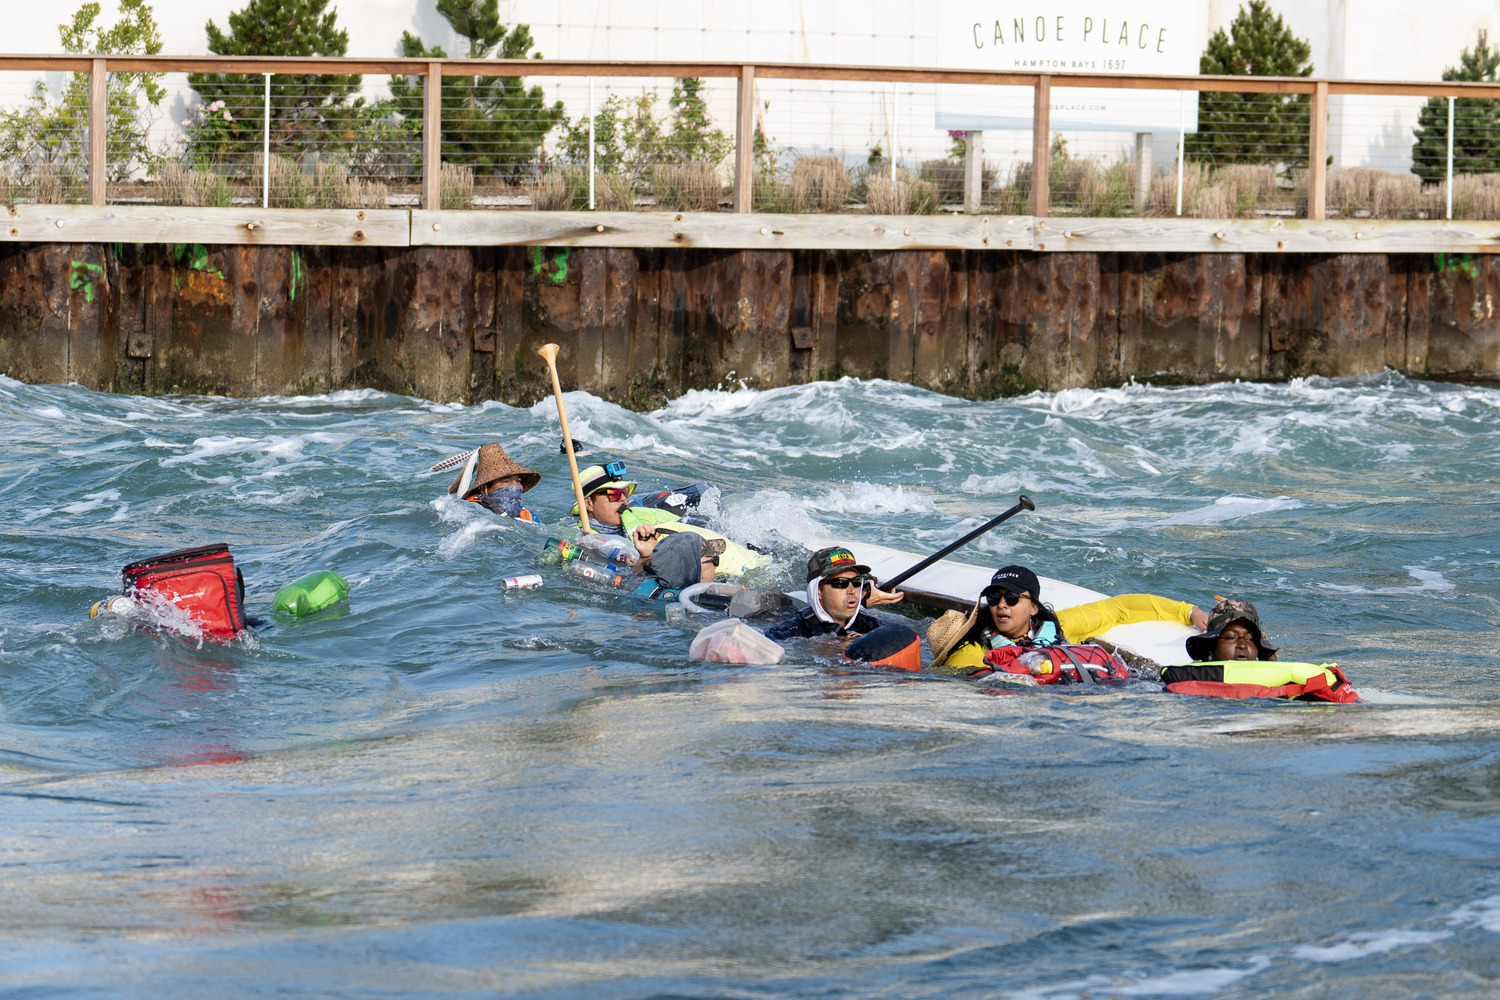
(1450, 158)
(265, 160)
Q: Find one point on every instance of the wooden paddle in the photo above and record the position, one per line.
(891, 584)
(549, 354)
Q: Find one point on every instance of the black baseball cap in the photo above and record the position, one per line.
(1016, 580)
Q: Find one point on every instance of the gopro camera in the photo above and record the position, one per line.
(615, 469)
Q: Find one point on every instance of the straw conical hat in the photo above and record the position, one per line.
(944, 635)
(495, 464)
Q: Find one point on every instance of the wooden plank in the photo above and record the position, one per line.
(1266, 236)
(98, 106)
(1041, 141)
(1317, 155)
(170, 224)
(256, 65)
(744, 140)
(432, 136)
(720, 230)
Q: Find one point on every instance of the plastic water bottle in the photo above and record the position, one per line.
(522, 582)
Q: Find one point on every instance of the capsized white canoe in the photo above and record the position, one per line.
(948, 584)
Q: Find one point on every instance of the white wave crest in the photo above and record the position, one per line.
(1484, 913)
(1428, 580)
(1364, 945)
(1231, 507)
(872, 498)
(1187, 982)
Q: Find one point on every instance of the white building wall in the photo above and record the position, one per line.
(1354, 39)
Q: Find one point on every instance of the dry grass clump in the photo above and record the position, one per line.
(181, 185)
(1249, 186)
(1397, 196)
(550, 192)
(819, 184)
(1215, 201)
(1162, 200)
(769, 193)
(47, 187)
(1087, 189)
(289, 187)
(1476, 197)
(567, 190)
(687, 187)
(1014, 196)
(1352, 189)
(328, 186)
(7, 189)
(455, 187)
(612, 193)
(902, 195)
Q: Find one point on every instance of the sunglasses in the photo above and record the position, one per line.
(997, 596)
(844, 582)
(615, 493)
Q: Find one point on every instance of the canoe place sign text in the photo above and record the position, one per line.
(1139, 37)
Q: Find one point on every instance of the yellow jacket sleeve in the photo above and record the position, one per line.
(1088, 620)
(966, 656)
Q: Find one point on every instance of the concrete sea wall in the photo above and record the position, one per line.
(642, 325)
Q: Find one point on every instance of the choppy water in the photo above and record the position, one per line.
(452, 791)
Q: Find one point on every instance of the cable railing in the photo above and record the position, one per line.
(744, 137)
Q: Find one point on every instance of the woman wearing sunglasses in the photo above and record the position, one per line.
(835, 599)
(1010, 612)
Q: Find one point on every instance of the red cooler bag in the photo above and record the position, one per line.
(202, 582)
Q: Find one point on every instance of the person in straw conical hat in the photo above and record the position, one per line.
(498, 483)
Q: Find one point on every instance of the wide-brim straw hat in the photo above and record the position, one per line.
(495, 464)
(945, 634)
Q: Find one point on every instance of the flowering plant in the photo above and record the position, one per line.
(209, 134)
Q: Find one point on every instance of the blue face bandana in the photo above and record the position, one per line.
(504, 500)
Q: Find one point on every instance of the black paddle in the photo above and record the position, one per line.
(1025, 504)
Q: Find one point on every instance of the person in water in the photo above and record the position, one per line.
(1010, 612)
(610, 512)
(676, 558)
(836, 593)
(498, 483)
(1232, 633)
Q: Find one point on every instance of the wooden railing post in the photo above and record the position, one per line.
(432, 137)
(744, 141)
(1317, 154)
(1041, 143)
(98, 160)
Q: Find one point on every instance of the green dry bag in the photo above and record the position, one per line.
(311, 593)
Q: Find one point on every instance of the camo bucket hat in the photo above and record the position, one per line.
(1226, 613)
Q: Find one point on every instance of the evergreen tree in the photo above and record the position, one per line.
(306, 111)
(492, 124)
(1476, 122)
(1253, 128)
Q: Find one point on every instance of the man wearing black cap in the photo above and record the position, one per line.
(1010, 612)
(835, 598)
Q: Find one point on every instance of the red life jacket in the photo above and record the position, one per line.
(202, 582)
(1062, 663)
